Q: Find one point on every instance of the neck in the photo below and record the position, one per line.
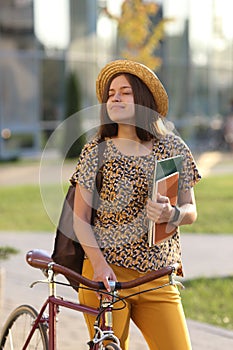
(126, 131)
(128, 142)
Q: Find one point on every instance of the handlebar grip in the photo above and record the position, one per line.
(115, 285)
(118, 286)
(101, 285)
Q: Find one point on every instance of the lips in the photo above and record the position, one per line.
(116, 106)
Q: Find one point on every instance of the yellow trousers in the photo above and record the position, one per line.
(158, 314)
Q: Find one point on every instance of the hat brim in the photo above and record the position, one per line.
(141, 71)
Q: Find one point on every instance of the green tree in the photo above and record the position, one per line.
(139, 34)
(73, 128)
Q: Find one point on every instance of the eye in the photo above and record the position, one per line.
(110, 94)
(127, 92)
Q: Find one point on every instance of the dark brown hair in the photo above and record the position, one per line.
(145, 111)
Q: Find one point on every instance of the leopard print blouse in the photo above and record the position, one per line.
(120, 225)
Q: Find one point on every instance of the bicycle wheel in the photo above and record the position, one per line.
(18, 327)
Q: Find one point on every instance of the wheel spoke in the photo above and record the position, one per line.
(18, 327)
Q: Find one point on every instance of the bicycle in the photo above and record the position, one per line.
(26, 328)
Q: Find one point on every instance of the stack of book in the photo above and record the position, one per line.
(166, 183)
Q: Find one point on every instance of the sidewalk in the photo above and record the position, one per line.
(198, 260)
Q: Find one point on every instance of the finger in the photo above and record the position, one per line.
(107, 287)
(149, 202)
(152, 214)
(106, 284)
(152, 204)
(162, 199)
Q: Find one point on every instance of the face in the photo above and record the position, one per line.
(120, 103)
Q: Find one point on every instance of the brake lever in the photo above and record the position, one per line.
(174, 282)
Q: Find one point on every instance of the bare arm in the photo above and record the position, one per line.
(161, 210)
(187, 206)
(83, 230)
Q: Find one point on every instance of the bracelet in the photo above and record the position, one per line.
(176, 215)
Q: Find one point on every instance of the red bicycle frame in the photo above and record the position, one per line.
(53, 303)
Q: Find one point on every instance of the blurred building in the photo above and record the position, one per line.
(19, 79)
(198, 67)
(42, 41)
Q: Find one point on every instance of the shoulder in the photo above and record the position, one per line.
(91, 147)
(173, 139)
(87, 165)
(171, 145)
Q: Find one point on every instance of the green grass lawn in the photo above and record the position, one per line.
(22, 207)
(209, 300)
(214, 197)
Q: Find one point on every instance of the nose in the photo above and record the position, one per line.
(116, 97)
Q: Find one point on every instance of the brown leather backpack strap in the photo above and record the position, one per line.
(99, 178)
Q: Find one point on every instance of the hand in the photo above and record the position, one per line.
(159, 211)
(104, 273)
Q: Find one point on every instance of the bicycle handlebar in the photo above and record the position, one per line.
(40, 259)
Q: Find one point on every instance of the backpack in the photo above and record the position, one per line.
(67, 251)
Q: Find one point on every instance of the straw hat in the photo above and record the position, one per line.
(141, 71)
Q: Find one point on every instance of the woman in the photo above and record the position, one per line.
(134, 102)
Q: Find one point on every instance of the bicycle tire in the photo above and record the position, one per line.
(18, 327)
(112, 346)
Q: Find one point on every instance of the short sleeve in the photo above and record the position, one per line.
(189, 174)
(86, 168)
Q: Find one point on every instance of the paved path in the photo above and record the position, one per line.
(198, 260)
